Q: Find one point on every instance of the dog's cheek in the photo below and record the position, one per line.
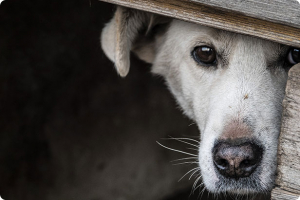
(161, 69)
(162, 62)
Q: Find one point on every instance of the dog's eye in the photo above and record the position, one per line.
(294, 56)
(204, 54)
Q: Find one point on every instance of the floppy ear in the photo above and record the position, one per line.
(131, 30)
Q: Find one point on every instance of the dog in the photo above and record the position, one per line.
(231, 85)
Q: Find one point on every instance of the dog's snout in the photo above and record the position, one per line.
(236, 161)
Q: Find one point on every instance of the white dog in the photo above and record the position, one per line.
(230, 84)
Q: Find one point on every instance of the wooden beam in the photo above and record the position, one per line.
(196, 12)
(278, 11)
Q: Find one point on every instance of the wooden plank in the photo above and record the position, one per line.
(289, 142)
(206, 15)
(279, 194)
(284, 12)
(288, 179)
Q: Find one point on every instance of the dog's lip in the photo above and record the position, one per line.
(241, 191)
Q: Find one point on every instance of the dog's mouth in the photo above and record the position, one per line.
(247, 185)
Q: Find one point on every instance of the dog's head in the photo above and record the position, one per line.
(231, 85)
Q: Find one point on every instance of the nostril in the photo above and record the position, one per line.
(222, 164)
(247, 163)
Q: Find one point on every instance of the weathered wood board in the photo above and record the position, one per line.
(279, 11)
(279, 194)
(288, 179)
(204, 14)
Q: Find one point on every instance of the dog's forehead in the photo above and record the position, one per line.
(194, 34)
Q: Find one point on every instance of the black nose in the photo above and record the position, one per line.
(236, 161)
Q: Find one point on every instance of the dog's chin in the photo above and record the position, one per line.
(249, 185)
(242, 186)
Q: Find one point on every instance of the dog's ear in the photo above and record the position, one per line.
(132, 30)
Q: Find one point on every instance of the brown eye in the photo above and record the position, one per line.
(294, 56)
(204, 54)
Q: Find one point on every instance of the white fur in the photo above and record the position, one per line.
(214, 98)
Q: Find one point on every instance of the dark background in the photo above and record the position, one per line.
(70, 127)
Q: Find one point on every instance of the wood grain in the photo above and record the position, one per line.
(279, 194)
(196, 12)
(283, 12)
(288, 177)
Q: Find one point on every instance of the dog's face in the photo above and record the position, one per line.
(231, 85)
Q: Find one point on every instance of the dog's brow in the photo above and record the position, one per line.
(276, 58)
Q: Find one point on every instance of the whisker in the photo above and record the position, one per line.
(192, 149)
(198, 187)
(195, 169)
(196, 181)
(202, 192)
(180, 140)
(194, 173)
(195, 187)
(183, 163)
(176, 150)
(185, 159)
(192, 124)
(183, 138)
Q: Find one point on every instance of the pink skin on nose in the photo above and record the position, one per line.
(236, 129)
